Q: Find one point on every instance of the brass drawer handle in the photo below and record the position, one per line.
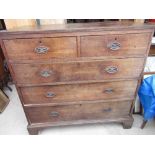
(50, 94)
(41, 49)
(114, 46)
(111, 69)
(46, 73)
(106, 110)
(54, 114)
(108, 90)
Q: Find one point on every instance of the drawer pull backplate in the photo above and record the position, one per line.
(111, 69)
(50, 94)
(46, 73)
(41, 49)
(106, 110)
(108, 90)
(114, 46)
(54, 114)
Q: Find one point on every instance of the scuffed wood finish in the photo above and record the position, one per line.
(130, 45)
(24, 49)
(78, 112)
(79, 92)
(80, 79)
(77, 71)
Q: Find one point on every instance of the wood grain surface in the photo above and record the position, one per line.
(79, 92)
(77, 71)
(86, 73)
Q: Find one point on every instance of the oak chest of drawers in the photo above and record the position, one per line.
(77, 73)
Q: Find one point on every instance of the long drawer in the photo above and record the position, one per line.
(79, 92)
(57, 114)
(114, 45)
(78, 71)
(41, 48)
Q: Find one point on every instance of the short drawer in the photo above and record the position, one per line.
(61, 94)
(115, 45)
(78, 71)
(56, 114)
(41, 48)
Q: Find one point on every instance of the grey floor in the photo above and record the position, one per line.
(13, 122)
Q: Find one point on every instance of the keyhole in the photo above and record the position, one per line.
(115, 38)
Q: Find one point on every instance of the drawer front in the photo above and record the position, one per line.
(95, 111)
(79, 92)
(78, 71)
(42, 48)
(114, 45)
